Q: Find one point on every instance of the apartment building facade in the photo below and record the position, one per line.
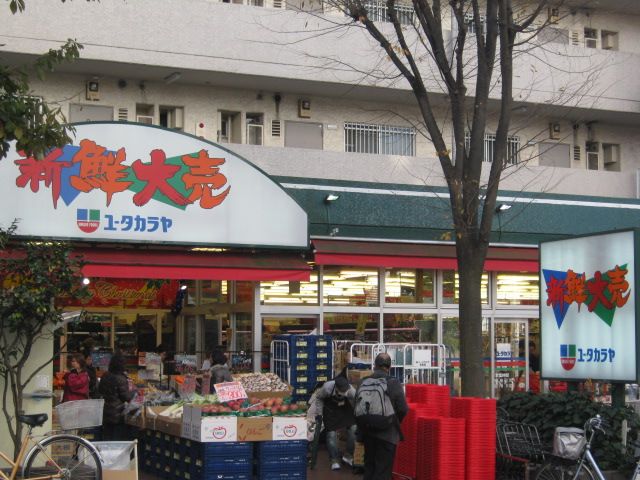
(267, 81)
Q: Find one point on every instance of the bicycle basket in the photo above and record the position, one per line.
(80, 414)
(568, 442)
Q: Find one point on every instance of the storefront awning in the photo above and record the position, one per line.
(172, 265)
(411, 255)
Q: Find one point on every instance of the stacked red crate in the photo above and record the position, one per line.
(480, 417)
(407, 452)
(441, 449)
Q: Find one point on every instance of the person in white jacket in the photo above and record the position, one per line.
(335, 401)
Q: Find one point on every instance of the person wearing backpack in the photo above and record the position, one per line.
(335, 402)
(380, 406)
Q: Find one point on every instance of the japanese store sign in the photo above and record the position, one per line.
(588, 307)
(127, 182)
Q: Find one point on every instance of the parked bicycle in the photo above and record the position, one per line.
(584, 467)
(63, 456)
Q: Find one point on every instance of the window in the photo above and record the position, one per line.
(590, 37)
(593, 155)
(409, 286)
(282, 292)
(362, 327)
(230, 127)
(513, 147)
(377, 11)
(609, 40)
(383, 139)
(350, 286)
(89, 113)
(254, 128)
(515, 288)
(145, 113)
(611, 157)
(470, 24)
(172, 117)
(410, 328)
(450, 290)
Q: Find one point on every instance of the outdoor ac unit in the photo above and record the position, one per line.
(144, 119)
(554, 131)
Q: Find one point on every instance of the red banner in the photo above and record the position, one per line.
(127, 293)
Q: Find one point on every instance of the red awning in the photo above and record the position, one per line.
(411, 255)
(171, 265)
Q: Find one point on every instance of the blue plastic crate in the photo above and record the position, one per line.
(232, 449)
(298, 474)
(277, 446)
(285, 460)
(235, 462)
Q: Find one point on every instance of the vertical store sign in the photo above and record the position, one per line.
(588, 317)
(138, 183)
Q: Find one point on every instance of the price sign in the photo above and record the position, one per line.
(422, 358)
(230, 391)
(503, 351)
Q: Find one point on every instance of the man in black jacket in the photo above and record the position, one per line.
(380, 445)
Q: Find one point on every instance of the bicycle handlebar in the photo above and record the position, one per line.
(596, 423)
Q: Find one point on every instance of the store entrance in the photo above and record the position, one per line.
(509, 353)
(284, 324)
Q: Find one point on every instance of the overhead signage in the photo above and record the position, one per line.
(588, 307)
(139, 183)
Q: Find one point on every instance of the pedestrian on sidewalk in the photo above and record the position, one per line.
(380, 407)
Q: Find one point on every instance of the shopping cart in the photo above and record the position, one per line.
(518, 450)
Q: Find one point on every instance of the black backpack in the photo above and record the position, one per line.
(373, 408)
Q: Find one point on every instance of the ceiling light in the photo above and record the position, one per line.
(502, 207)
(173, 77)
(332, 197)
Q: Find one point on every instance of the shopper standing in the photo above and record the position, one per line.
(380, 435)
(93, 376)
(76, 381)
(219, 369)
(114, 388)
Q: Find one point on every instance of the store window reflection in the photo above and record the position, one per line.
(214, 325)
(190, 328)
(517, 288)
(281, 325)
(241, 357)
(409, 286)
(350, 286)
(410, 328)
(291, 292)
(361, 327)
(451, 340)
(214, 291)
(244, 292)
(451, 288)
(191, 298)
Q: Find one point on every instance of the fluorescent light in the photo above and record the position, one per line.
(173, 77)
(502, 207)
(332, 197)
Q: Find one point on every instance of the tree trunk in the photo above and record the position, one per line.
(470, 266)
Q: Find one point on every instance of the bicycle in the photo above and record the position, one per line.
(585, 466)
(60, 456)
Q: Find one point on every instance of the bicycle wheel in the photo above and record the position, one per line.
(67, 455)
(552, 471)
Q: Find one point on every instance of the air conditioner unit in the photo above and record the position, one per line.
(254, 134)
(144, 119)
(554, 131)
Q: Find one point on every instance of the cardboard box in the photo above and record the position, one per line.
(279, 394)
(289, 428)
(255, 429)
(155, 421)
(215, 429)
(201, 428)
(356, 376)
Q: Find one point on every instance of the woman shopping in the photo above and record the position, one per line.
(76, 381)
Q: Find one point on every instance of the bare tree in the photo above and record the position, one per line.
(459, 64)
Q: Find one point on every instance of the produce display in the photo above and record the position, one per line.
(261, 382)
(251, 407)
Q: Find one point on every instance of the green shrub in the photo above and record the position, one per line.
(573, 409)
